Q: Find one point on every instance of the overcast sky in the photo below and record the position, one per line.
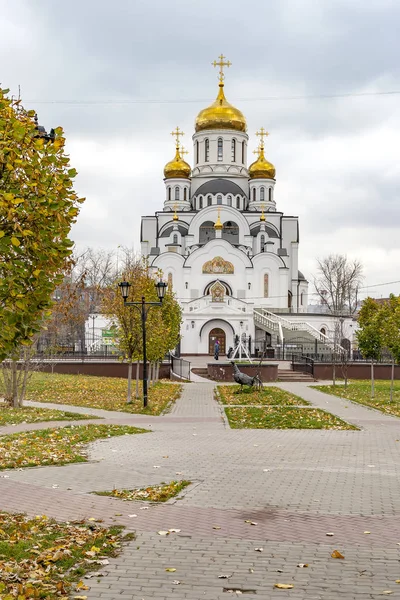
(119, 76)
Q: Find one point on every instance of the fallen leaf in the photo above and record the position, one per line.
(170, 570)
(80, 597)
(176, 582)
(367, 532)
(330, 534)
(284, 586)
(156, 467)
(397, 581)
(302, 566)
(163, 532)
(216, 527)
(174, 530)
(91, 519)
(336, 554)
(132, 516)
(259, 549)
(387, 592)
(251, 570)
(225, 576)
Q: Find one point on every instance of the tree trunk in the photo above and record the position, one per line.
(137, 379)
(129, 395)
(23, 384)
(372, 379)
(14, 391)
(158, 371)
(151, 374)
(334, 370)
(392, 381)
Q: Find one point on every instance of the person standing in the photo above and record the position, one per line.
(216, 349)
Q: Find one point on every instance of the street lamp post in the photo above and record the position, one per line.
(161, 288)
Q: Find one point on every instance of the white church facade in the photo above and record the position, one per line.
(223, 244)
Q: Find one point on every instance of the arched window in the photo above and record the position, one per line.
(243, 148)
(229, 200)
(220, 149)
(201, 202)
(233, 150)
(270, 194)
(262, 194)
(230, 232)
(206, 232)
(175, 238)
(197, 152)
(206, 150)
(254, 194)
(301, 299)
(219, 199)
(170, 281)
(169, 193)
(262, 243)
(289, 299)
(177, 193)
(323, 330)
(185, 193)
(266, 286)
(209, 200)
(237, 201)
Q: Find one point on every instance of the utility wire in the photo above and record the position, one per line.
(199, 100)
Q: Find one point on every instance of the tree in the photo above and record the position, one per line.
(389, 317)
(338, 282)
(162, 324)
(369, 334)
(37, 209)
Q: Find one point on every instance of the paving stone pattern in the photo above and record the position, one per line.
(295, 485)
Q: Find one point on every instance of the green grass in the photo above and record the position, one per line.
(277, 417)
(29, 414)
(360, 391)
(107, 393)
(231, 394)
(41, 558)
(58, 446)
(152, 493)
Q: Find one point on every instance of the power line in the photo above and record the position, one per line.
(200, 100)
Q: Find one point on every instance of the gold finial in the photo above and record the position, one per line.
(218, 224)
(262, 218)
(182, 151)
(262, 133)
(221, 64)
(177, 133)
(175, 217)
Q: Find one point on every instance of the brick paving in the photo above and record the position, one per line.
(296, 485)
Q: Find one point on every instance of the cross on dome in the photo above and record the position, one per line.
(182, 151)
(177, 133)
(221, 64)
(262, 133)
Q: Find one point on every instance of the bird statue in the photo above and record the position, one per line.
(243, 379)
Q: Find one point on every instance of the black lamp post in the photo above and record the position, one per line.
(161, 288)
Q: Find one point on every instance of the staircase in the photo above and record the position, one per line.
(268, 321)
(287, 375)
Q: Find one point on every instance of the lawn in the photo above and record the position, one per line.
(58, 446)
(231, 394)
(360, 391)
(152, 493)
(108, 393)
(29, 414)
(278, 417)
(40, 558)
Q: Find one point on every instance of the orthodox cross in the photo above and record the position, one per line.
(221, 64)
(177, 133)
(262, 133)
(182, 151)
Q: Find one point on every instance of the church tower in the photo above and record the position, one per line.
(230, 256)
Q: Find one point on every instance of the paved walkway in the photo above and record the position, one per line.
(294, 485)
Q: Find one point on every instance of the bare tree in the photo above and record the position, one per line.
(338, 283)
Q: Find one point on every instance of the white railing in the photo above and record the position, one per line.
(205, 301)
(271, 321)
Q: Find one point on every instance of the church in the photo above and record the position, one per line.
(223, 244)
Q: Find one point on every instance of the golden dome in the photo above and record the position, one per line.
(177, 168)
(220, 115)
(261, 168)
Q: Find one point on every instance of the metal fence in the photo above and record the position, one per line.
(180, 367)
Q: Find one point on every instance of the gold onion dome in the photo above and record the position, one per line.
(261, 168)
(177, 168)
(220, 115)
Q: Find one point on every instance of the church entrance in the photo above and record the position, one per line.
(217, 334)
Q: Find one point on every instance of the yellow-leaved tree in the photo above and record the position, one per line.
(162, 322)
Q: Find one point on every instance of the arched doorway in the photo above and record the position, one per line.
(216, 334)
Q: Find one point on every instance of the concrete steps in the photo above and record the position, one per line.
(289, 375)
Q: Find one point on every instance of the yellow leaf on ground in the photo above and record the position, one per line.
(170, 570)
(284, 586)
(337, 554)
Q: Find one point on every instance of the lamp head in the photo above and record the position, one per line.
(124, 287)
(161, 288)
